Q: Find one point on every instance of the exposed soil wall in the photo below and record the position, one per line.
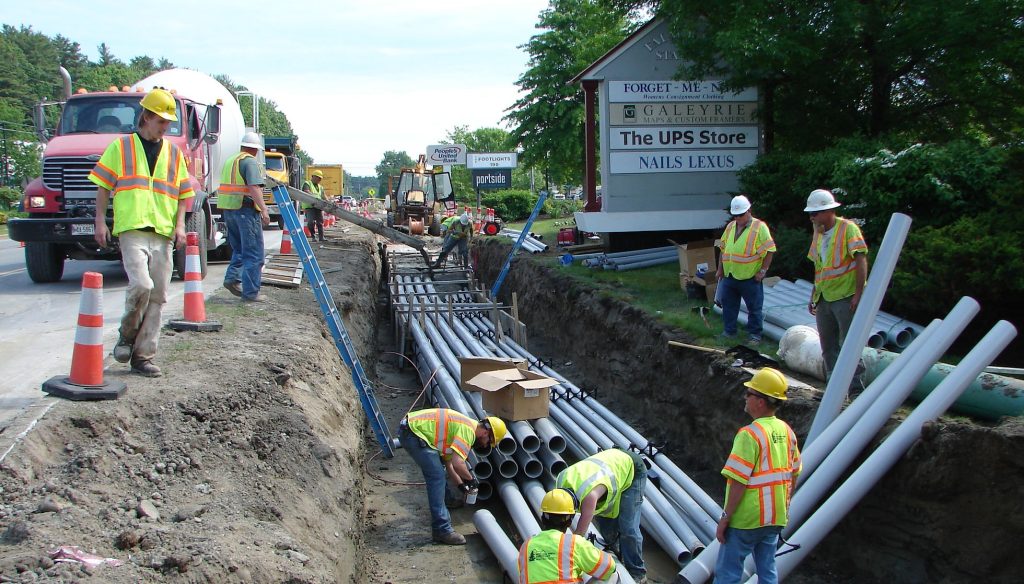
(950, 511)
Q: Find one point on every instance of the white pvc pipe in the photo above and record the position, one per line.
(894, 447)
(860, 328)
(526, 524)
(501, 546)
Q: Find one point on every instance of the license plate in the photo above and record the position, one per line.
(83, 229)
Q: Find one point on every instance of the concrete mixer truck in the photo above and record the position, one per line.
(61, 204)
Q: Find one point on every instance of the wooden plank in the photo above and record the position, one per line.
(282, 270)
(696, 347)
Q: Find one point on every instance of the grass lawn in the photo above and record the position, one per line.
(655, 290)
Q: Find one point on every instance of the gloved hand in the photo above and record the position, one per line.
(469, 485)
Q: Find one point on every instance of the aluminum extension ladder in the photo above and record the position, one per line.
(342, 340)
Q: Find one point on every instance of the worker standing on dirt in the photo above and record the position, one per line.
(747, 250)
(459, 234)
(150, 181)
(760, 473)
(840, 257)
(439, 440)
(610, 487)
(240, 198)
(557, 554)
(314, 216)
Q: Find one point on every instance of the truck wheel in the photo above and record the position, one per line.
(195, 222)
(435, 226)
(45, 262)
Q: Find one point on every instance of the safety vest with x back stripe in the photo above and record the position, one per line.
(143, 199)
(611, 468)
(446, 431)
(742, 255)
(556, 557)
(765, 461)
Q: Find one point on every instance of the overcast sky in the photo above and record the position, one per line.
(355, 78)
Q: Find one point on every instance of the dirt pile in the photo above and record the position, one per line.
(950, 511)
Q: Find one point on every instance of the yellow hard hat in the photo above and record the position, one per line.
(770, 382)
(497, 427)
(318, 173)
(558, 502)
(161, 102)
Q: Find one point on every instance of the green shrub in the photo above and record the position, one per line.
(561, 208)
(9, 197)
(510, 205)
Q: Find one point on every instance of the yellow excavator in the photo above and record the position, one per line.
(418, 196)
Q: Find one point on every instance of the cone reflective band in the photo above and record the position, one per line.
(191, 238)
(87, 360)
(286, 242)
(194, 314)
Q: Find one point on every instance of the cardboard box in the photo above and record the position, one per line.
(513, 394)
(473, 366)
(709, 283)
(696, 255)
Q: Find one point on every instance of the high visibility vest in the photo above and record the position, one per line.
(836, 277)
(456, 230)
(315, 190)
(232, 185)
(142, 199)
(766, 460)
(447, 223)
(742, 257)
(611, 468)
(446, 431)
(555, 557)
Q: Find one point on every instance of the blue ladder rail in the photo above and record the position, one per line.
(342, 340)
(519, 243)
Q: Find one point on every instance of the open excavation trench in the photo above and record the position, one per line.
(250, 460)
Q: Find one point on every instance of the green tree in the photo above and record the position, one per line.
(391, 164)
(107, 57)
(548, 119)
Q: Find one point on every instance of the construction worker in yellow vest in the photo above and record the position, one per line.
(840, 258)
(439, 440)
(747, 250)
(610, 489)
(314, 216)
(148, 180)
(557, 554)
(458, 234)
(245, 212)
(760, 473)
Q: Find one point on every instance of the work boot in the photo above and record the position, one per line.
(256, 298)
(146, 369)
(321, 238)
(450, 538)
(234, 287)
(123, 350)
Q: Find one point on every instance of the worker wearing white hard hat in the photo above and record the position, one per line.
(459, 233)
(839, 254)
(747, 251)
(245, 212)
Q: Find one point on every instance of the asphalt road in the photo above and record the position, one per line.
(37, 328)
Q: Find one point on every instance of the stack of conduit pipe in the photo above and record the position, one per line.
(530, 243)
(677, 513)
(629, 260)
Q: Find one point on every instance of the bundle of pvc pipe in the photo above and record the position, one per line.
(530, 243)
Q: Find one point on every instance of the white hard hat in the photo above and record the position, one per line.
(464, 218)
(820, 200)
(252, 140)
(739, 205)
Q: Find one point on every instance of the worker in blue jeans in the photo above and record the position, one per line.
(240, 199)
(747, 250)
(458, 234)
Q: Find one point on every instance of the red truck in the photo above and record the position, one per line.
(61, 204)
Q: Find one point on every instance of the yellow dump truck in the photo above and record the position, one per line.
(283, 166)
(333, 181)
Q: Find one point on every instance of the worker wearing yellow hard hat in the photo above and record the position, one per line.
(161, 102)
(439, 440)
(760, 474)
(556, 554)
(314, 216)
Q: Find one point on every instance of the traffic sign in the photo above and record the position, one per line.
(371, 191)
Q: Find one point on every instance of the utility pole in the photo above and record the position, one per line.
(7, 158)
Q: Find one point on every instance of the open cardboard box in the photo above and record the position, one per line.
(514, 394)
(473, 366)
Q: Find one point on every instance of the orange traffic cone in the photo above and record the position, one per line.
(305, 230)
(286, 243)
(194, 318)
(86, 379)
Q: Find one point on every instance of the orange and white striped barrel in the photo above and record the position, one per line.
(87, 360)
(286, 242)
(195, 303)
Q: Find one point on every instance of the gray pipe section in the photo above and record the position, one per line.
(501, 546)
(895, 446)
(570, 429)
(531, 465)
(526, 524)
(481, 467)
(547, 432)
(506, 465)
(682, 531)
(644, 264)
(485, 491)
(663, 534)
(863, 318)
(551, 461)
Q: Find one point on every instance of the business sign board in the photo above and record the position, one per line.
(439, 154)
(645, 162)
(675, 113)
(696, 90)
(491, 160)
(492, 178)
(684, 137)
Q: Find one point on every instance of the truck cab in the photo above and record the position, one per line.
(282, 165)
